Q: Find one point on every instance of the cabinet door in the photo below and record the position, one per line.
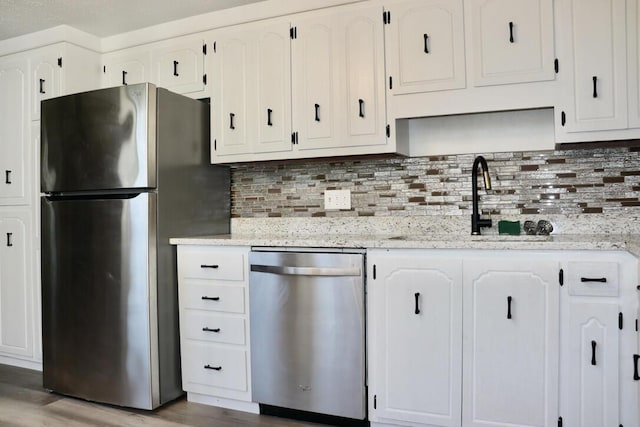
(511, 41)
(416, 316)
(16, 335)
(127, 68)
(179, 66)
(511, 342)
(425, 46)
(593, 42)
(590, 363)
(14, 152)
(46, 82)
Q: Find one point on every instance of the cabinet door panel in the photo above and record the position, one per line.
(511, 41)
(129, 68)
(511, 333)
(425, 45)
(180, 67)
(46, 81)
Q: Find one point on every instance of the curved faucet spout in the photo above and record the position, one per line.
(476, 221)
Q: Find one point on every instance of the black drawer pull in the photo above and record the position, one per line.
(9, 242)
(124, 77)
(209, 266)
(269, 112)
(7, 177)
(636, 374)
(593, 279)
(175, 68)
(509, 299)
(595, 86)
(511, 40)
(593, 353)
(317, 109)
(426, 43)
(361, 108)
(215, 368)
(417, 297)
(206, 329)
(206, 298)
(231, 124)
(42, 86)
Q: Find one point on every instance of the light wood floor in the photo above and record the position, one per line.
(24, 403)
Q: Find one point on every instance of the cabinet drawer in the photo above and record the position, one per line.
(206, 296)
(206, 264)
(592, 278)
(212, 366)
(205, 326)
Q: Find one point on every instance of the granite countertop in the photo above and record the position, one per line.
(604, 232)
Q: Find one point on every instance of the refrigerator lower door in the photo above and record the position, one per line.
(98, 311)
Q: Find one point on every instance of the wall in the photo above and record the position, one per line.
(594, 179)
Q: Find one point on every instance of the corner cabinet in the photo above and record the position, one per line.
(214, 325)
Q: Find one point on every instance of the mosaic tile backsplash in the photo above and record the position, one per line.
(591, 180)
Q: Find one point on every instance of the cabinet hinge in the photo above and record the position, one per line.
(636, 325)
(390, 82)
(556, 65)
(388, 131)
(374, 272)
(60, 62)
(375, 401)
(620, 320)
(104, 69)
(386, 17)
(563, 118)
(204, 79)
(214, 47)
(204, 49)
(561, 277)
(294, 138)
(215, 145)
(636, 375)
(559, 421)
(293, 33)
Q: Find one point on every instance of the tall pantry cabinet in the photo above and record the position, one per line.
(27, 78)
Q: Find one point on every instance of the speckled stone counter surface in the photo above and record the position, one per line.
(579, 232)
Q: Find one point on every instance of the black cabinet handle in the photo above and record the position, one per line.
(426, 43)
(206, 298)
(7, 177)
(9, 242)
(417, 297)
(214, 266)
(593, 353)
(124, 77)
(636, 374)
(269, 112)
(42, 86)
(215, 368)
(511, 40)
(205, 329)
(175, 68)
(317, 107)
(509, 299)
(595, 86)
(361, 108)
(231, 124)
(593, 279)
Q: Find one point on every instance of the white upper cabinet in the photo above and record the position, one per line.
(425, 45)
(179, 64)
(127, 67)
(14, 148)
(592, 47)
(511, 41)
(45, 78)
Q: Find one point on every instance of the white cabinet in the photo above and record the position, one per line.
(14, 144)
(510, 41)
(415, 351)
(178, 64)
(16, 290)
(511, 334)
(251, 108)
(214, 325)
(127, 67)
(592, 48)
(61, 69)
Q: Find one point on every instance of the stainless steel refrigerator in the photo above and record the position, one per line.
(122, 170)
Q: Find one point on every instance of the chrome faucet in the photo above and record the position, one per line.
(476, 221)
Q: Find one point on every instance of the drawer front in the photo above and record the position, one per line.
(208, 264)
(212, 366)
(593, 278)
(228, 299)
(205, 326)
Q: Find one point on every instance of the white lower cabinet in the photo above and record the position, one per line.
(497, 338)
(214, 325)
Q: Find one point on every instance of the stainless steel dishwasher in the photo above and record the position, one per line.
(308, 331)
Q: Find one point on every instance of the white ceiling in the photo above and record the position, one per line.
(100, 17)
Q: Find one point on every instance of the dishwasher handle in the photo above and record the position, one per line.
(306, 271)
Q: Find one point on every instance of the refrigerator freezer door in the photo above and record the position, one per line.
(99, 140)
(99, 318)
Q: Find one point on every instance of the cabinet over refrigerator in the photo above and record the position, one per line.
(122, 170)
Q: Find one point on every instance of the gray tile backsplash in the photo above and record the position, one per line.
(593, 180)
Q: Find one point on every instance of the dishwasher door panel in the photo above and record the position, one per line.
(307, 332)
